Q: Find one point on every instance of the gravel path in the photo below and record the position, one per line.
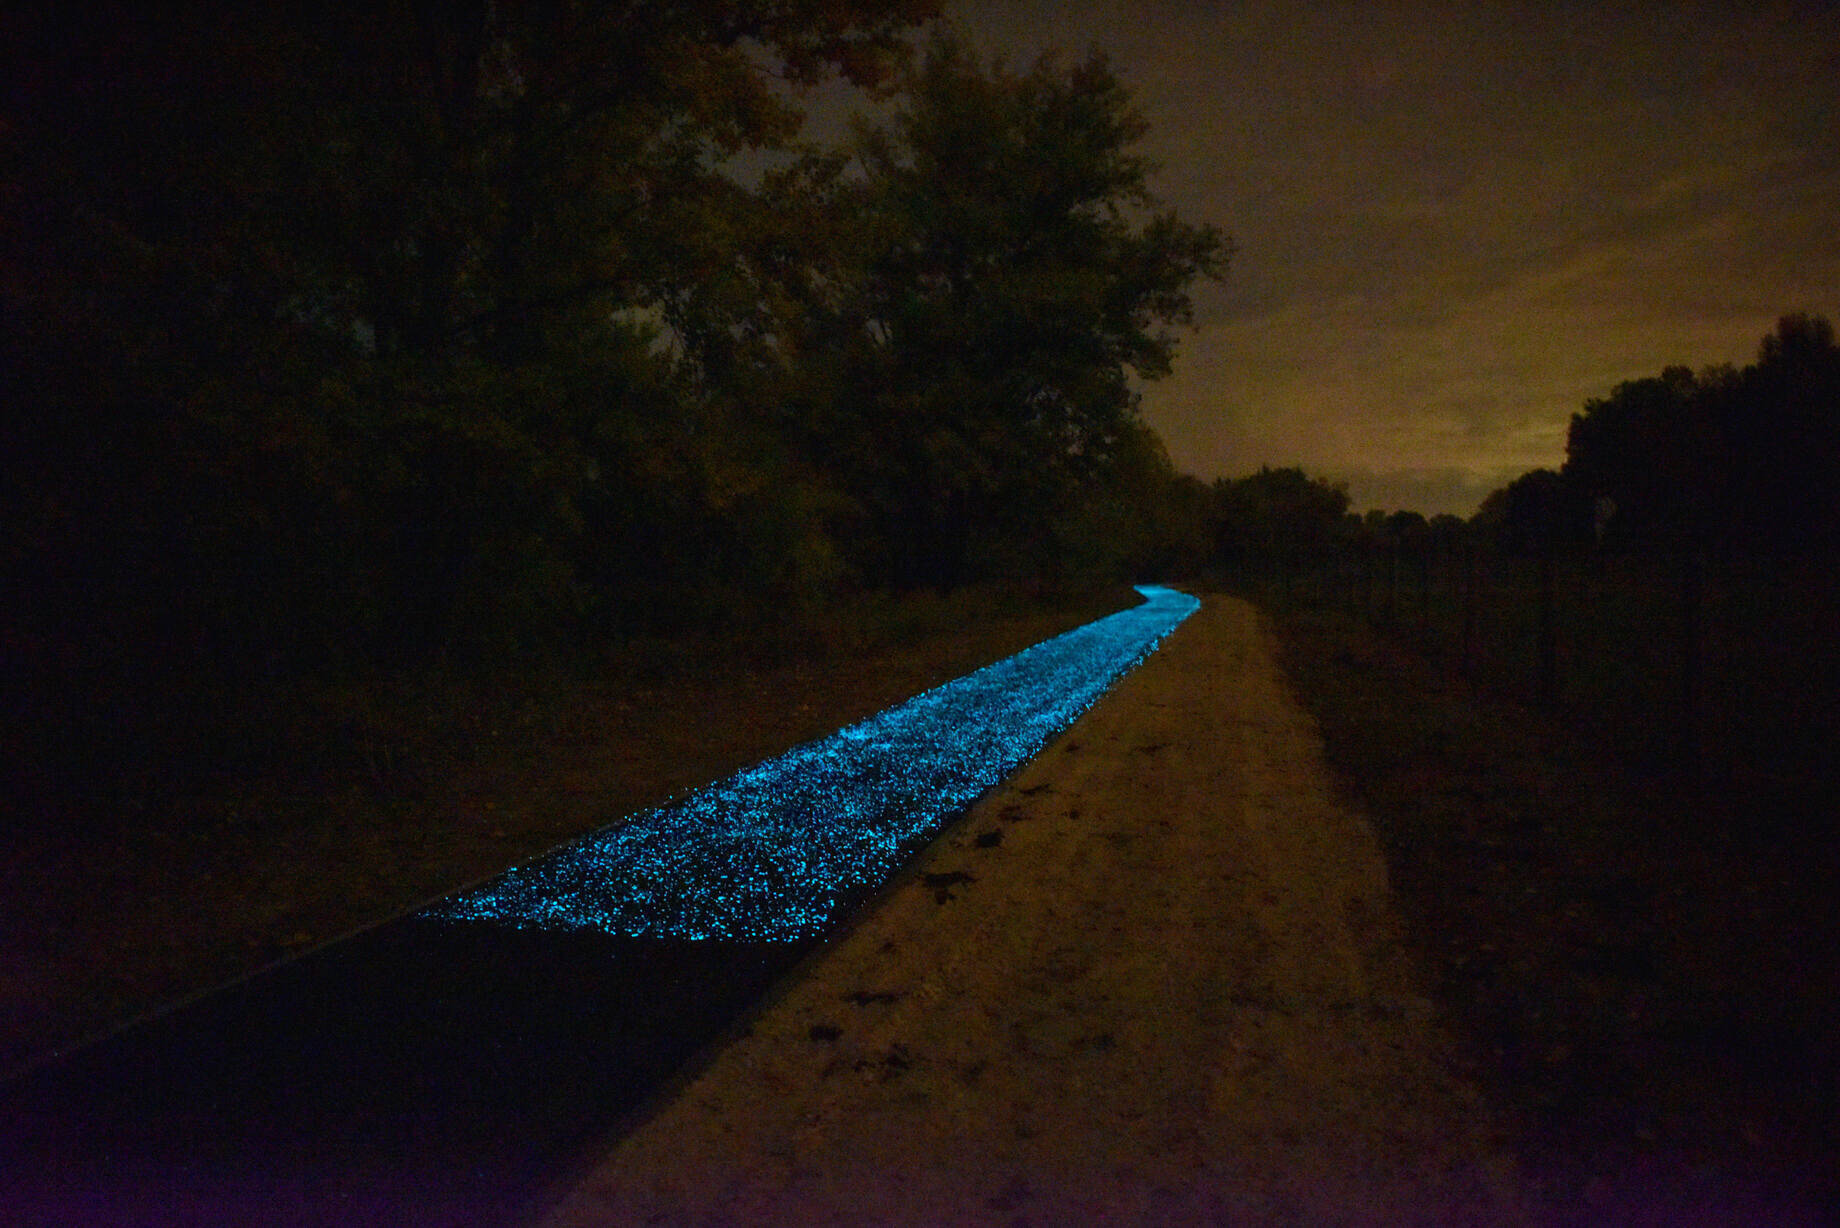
(1155, 978)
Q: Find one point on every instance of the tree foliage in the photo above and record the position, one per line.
(1538, 513)
(1277, 518)
(416, 316)
(345, 334)
(1749, 457)
(1016, 279)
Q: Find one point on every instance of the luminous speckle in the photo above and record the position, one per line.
(772, 853)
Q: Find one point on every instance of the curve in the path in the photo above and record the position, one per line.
(773, 853)
(448, 1068)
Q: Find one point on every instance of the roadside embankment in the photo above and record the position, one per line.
(1157, 977)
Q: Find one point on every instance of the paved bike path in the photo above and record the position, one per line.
(445, 1069)
(1154, 979)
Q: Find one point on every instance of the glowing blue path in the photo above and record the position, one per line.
(771, 854)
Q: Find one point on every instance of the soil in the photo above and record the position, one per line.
(1158, 977)
(120, 910)
(1175, 970)
(1641, 966)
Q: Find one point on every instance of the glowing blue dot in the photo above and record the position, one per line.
(771, 853)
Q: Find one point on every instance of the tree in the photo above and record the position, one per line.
(1536, 514)
(1781, 421)
(1017, 277)
(1276, 520)
(1653, 449)
(351, 319)
(1750, 457)
(1141, 521)
(346, 333)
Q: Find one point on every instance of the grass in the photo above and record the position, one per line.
(1641, 967)
(1760, 645)
(374, 797)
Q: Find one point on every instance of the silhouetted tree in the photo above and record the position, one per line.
(1141, 521)
(1749, 457)
(1653, 449)
(1409, 531)
(1537, 513)
(1782, 429)
(1277, 520)
(391, 318)
(1447, 530)
(1017, 277)
(354, 333)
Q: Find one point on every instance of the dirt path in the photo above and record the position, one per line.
(1155, 978)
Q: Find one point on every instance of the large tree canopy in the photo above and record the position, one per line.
(344, 333)
(1751, 457)
(1276, 517)
(1017, 277)
(369, 311)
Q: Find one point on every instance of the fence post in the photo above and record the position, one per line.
(1469, 598)
(1690, 597)
(1392, 583)
(1549, 638)
(1424, 592)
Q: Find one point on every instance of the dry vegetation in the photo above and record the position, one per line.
(1642, 966)
(414, 792)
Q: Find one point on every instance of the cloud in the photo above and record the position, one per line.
(1456, 223)
(1458, 492)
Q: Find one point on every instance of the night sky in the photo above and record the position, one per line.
(1457, 222)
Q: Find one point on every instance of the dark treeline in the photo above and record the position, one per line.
(1733, 461)
(1670, 587)
(1684, 559)
(1726, 460)
(1281, 528)
(345, 336)
(1598, 729)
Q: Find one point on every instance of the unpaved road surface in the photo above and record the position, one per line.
(1156, 978)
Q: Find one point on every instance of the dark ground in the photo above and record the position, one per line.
(407, 789)
(428, 1074)
(1642, 966)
